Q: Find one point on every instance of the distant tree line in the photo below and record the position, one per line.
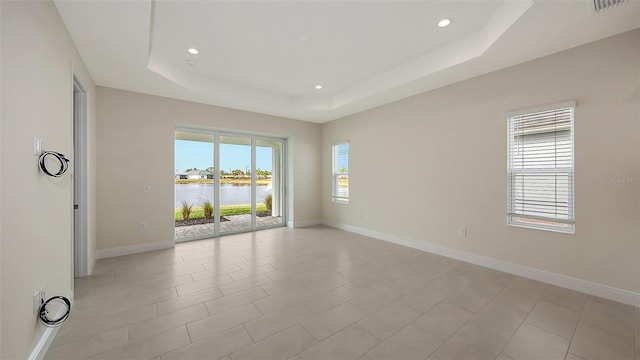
(235, 172)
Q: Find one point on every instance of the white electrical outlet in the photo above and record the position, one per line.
(37, 146)
(462, 232)
(141, 226)
(147, 188)
(37, 300)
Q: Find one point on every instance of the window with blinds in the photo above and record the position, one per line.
(540, 168)
(340, 172)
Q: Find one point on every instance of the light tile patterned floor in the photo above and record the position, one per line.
(321, 293)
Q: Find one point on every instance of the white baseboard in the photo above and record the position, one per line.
(304, 223)
(49, 334)
(134, 249)
(40, 350)
(588, 287)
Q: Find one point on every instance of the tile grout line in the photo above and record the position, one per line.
(524, 319)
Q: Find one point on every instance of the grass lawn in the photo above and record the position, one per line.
(197, 212)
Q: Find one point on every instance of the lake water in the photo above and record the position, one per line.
(229, 194)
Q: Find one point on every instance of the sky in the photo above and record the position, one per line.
(190, 154)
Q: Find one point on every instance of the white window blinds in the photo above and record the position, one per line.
(541, 169)
(340, 165)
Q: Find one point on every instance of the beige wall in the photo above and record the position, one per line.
(37, 58)
(1, 116)
(424, 166)
(135, 137)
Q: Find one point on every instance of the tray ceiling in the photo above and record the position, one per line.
(269, 56)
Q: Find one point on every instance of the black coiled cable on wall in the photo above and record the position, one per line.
(64, 163)
(44, 313)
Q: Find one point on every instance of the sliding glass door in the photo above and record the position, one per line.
(194, 187)
(236, 186)
(269, 175)
(241, 188)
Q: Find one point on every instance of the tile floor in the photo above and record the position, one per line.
(322, 293)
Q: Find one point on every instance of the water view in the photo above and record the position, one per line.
(229, 194)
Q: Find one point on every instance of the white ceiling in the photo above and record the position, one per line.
(268, 56)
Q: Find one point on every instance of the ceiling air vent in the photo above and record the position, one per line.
(600, 5)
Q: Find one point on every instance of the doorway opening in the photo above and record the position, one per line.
(227, 183)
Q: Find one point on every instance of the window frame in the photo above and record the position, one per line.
(335, 174)
(555, 225)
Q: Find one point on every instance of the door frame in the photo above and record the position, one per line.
(216, 157)
(81, 266)
(282, 181)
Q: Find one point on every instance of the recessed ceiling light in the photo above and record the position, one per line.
(444, 23)
(193, 51)
(318, 87)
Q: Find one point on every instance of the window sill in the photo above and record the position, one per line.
(568, 231)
